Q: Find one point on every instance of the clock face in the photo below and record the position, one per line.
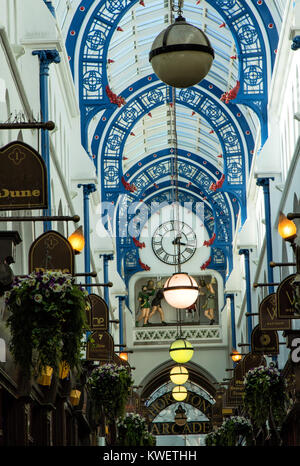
(163, 242)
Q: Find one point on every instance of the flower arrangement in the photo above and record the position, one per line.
(232, 432)
(108, 386)
(132, 431)
(265, 396)
(47, 319)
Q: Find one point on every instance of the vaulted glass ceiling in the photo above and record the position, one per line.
(108, 43)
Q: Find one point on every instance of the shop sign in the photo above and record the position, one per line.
(250, 361)
(51, 252)
(23, 178)
(264, 342)
(197, 401)
(268, 319)
(121, 362)
(171, 428)
(285, 299)
(99, 313)
(100, 347)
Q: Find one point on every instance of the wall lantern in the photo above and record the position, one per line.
(181, 290)
(236, 356)
(181, 55)
(124, 356)
(180, 416)
(286, 228)
(64, 369)
(77, 240)
(179, 375)
(75, 397)
(181, 351)
(179, 393)
(288, 231)
(45, 376)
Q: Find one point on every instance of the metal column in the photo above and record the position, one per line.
(46, 57)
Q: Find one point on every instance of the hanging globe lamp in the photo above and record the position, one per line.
(181, 351)
(181, 55)
(179, 393)
(181, 290)
(179, 375)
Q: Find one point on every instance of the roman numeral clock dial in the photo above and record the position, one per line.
(164, 242)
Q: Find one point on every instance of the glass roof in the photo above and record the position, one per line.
(108, 43)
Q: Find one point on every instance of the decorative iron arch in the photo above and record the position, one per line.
(221, 251)
(256, 51)
(235, 139)
(161, 375)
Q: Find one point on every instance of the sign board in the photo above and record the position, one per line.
(285, 299)
(51, 252)
(23, 178)
(217, 408)
(197, 401)
(99, 313)
(268, 319)
(121, 362)
(264, 342)
(251, 360)
(100, 347)
(171, 428)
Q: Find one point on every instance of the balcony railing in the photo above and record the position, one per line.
(165, 335)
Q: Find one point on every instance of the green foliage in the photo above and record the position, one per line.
(265, 396)
(47, 320)
(132, 431)
(108, 386)
(233, 430)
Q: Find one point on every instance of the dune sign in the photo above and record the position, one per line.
(23, 178)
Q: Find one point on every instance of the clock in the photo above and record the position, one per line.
(165, 238)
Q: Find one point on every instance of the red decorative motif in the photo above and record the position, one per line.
(223, 25)
(206, 264)
(142, 2)
(129, 187)
(218, 184)
(227, 96)
(144, 266)
(210, 241)
(138, 243)
(114, 98)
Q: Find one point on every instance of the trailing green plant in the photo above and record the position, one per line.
(108, 386)
(46, 320)
(233, 432)
(265, 397)
(132, 431)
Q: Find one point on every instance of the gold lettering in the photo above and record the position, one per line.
(5, 193)
(272, 311)
(186, 429)
(98, 320)
(292, 301)
(155, 430)
(165, 428)
(36, 192)
(197, 424)
(43, 269)
(168, 400)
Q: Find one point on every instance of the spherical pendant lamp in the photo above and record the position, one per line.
(179, 393)
(181, 351)
(181, 290)
(181, 55)
(179, 375)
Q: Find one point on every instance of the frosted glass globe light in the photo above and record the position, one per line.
(181, 351)
(181, 290)
(181, 55)
(179, 393)
(179, 375)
